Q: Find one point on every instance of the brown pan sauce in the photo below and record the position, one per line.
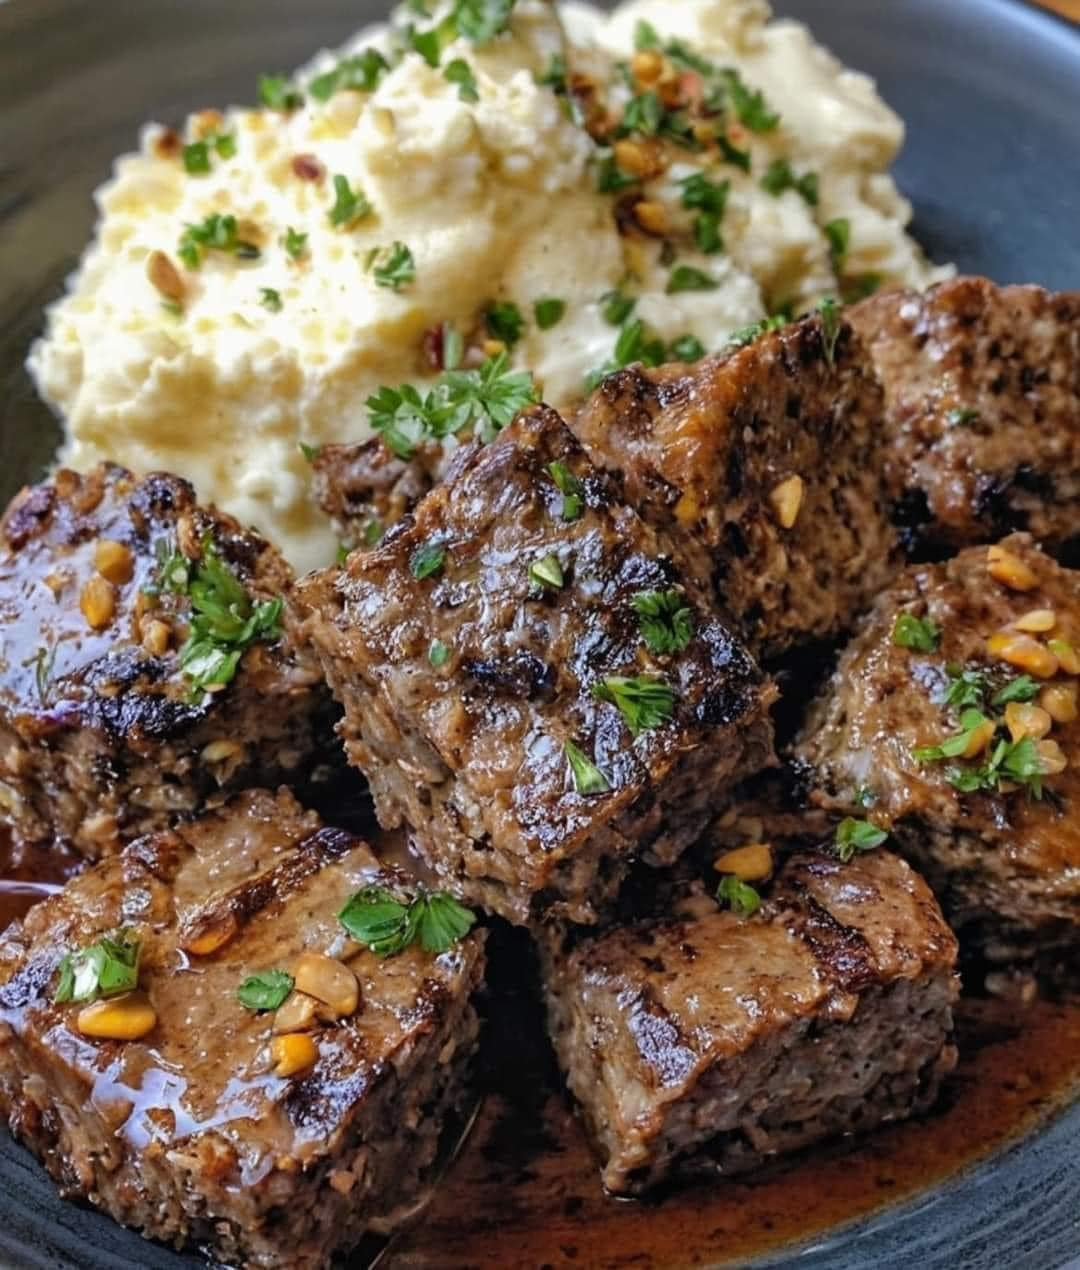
(524, 1191)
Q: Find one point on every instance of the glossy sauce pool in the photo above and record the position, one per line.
(524, 1190)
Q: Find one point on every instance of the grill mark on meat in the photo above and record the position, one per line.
(520, 675)
(841, 951)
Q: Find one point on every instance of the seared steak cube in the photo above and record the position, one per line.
(763, 467)
(531, 684)
(982, 395)
(953, 718)
(113, 720)
(365, 488)
(277, 1131)
(699, 1041)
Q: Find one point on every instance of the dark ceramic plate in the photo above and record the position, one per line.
(991, 94)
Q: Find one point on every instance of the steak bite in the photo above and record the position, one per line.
(365, 488)
(531, 684)
(280, 1130)
(953, 718)
(762, 467)
(699, 1041)
(142, 663)
(982, 394)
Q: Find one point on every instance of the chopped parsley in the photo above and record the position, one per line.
(838, 234)
(396, 267)
(863, 796)
(645, 35)
(732, 154)
(310, 452)
(588, 778)
(738, 895)
(1022, 688)
(376, 917)
(750, 105)
(687, 278)
(547, 572)
(643, 114)
(373, 532)
(360, 72)
(610, 178)
(748, 334)
(349, 205)
(972, 721)
(216, 233)
(856, 835)
(570, 487)
(642, 701)
(270, 299)
(554, 74)
(959, 418)
(687, 348)
(342, 554)
(438, 653)
(964, 688)
(482, 20)
(428, 44)
(504, 321)
(779, 177)
(277, 93)
(548, 312)
(918, 634)
(484, 400)
(1017, 761)
(635, 343)
(43, 662)
(711, 198)
(103, 969)
(460, 72)
(224, 622)
(196, 155)
(852, 290)
(295, 243)
(666, 621)
(830, 328)
(265, 990)
(426, 560)
(616, 307)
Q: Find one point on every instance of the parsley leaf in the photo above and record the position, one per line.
(779, 176)
(224, 622)
(216, 233)
(610, 178)
(643, 702)
(397, 268)
(829, 314)
(750, 106)
(270, 299)
(645, 35)
(487, 399)
(376, 917)
(276, 93)
(666, 622)
(856, 835)
(295, 243)
(699, 191)
(958, 418)
(971, 721)
(427, 560)
(588, 778)
(361, 72)
(687, 278)
(964, 687)
(103, 969)
(732, 154)
(265, 990)
(838, 234)
(748, 334)
(403, 417)
(349, 205)
(504, 321)
(616, 307)
(738, 895)
(460, 72)
(570, 487)
(919, 634)
(482, 20)
(687, 348)
(438, 653)
(548, 312)
(643, 114)
(547, 572)
(1022, 688)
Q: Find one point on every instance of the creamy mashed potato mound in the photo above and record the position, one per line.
(496, 193)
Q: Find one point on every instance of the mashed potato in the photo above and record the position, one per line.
(416, 199)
